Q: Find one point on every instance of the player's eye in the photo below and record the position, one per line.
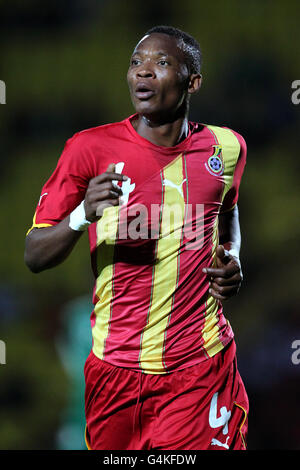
(163, 62)
(135, 62)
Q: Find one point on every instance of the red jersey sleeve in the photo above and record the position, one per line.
(66, 187)
(231, 197)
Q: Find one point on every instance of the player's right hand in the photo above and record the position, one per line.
(102, 192)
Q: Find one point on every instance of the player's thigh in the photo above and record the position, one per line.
(114, 432)
(110, 400)
(209, 413)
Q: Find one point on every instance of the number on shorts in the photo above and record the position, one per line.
(222, 420)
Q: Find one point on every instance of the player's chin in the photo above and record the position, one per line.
(148, 107)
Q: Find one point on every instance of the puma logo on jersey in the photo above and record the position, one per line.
(215, 442)
(45, 194)
(126, 187)
(170, 183)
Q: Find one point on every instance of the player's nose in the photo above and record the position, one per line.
(145, 71)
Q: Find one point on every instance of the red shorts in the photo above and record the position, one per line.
(201, 407)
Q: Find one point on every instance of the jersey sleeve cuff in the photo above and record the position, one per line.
(38, 226)
(227, 210)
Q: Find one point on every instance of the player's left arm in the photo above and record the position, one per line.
(227, 276)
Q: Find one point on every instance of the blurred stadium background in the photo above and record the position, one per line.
(64, 64)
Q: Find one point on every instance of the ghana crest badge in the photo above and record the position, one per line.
(214, 164)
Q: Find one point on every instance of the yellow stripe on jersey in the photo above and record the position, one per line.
(230, 152)
(164, 279)
(210, 332)
(107, 228)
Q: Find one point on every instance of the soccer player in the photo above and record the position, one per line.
(158, 195)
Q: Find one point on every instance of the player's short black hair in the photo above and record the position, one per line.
(189, 46)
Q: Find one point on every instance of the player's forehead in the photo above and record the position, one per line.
(158, 44)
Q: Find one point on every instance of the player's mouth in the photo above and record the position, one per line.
(143, 91)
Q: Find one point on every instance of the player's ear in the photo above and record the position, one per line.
(195, 82)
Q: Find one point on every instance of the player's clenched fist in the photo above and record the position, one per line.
(102, 192)
(226, 278)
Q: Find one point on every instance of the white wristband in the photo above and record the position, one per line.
(78, 221)
(234, 252)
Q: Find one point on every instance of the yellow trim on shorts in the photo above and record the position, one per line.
(243, 422)
(86, 439)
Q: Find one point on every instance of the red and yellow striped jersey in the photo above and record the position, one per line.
(152, 310)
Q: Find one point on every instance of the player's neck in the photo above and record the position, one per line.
(165, 134)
